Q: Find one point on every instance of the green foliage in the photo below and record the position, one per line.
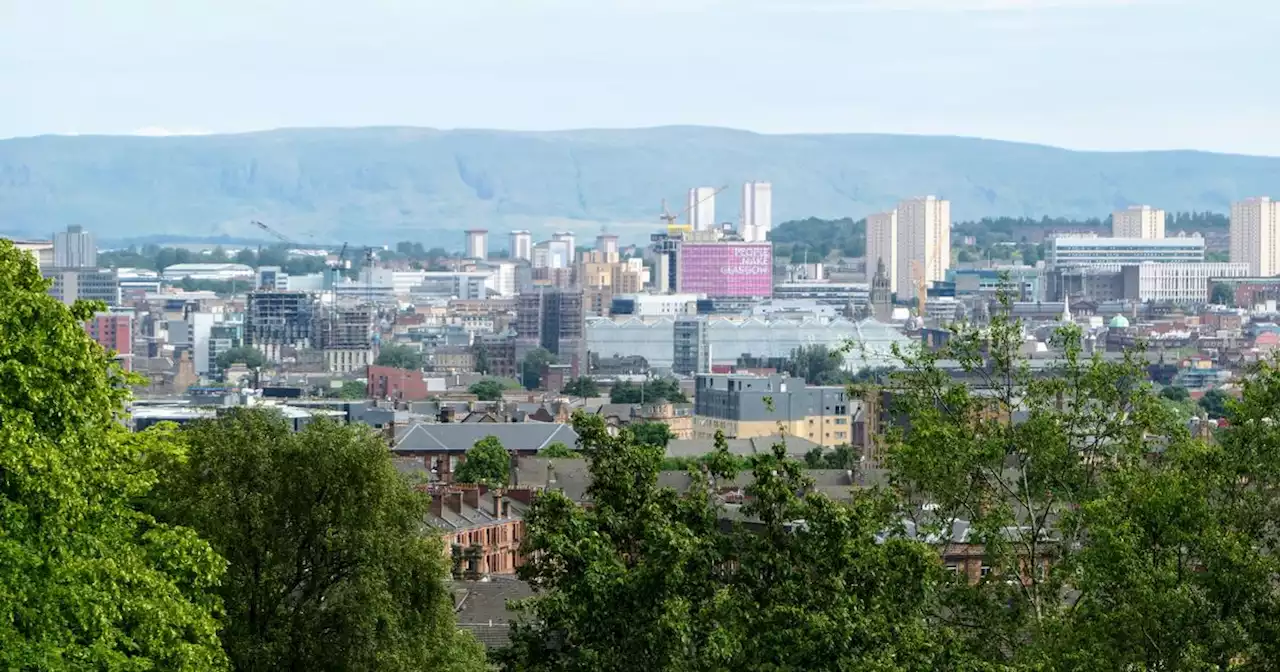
(650, 392)
(531, 367)
(353, 390)
(328, 565)
(651, 433)
(487, 390)
(840, 457)
(486, 462)
(557, 449)
(818, 365)
(87, 582)
(482, 359)
(250, 357)
(399, 357)
(1221, 294)
(1175, 393)
(1216, 404)
(820, 238)
(726, 461)
(647, 579)
(582, 387)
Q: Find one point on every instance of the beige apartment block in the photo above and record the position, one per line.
(1138, 221)
(882, 245)
(924, 241)
(1253, 232)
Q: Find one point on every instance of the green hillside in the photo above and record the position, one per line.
(374, 185)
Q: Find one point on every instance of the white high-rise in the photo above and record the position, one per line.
(477, 244)
(924, 241)
(1255, 233)
(1138, 221)
(522, 245)
(702, 208)
(74, 248)
(567, 238)
(757, 211)
(882, 245)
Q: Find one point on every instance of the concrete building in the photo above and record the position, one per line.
(607, 244)
(924, 241)
(75, 248)
(745, 407)
(87, 284)
(220, 272)
(553, 254)
(757, 211)
(1255, 235)
(345, 337)
(277, 321)
(1138, 221)
(521, 245)
(566, 239)
(555, 320)
(1021, 283)
(477, 244)
(271, 279)
(702, 208)
(40, 250)
(882, 245)
(824, 293)
(1179, 283)
(655, 305)
(1097, 251)
(692, 351)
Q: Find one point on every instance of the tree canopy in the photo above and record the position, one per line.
(250, 357)
(652, 391)
(487, 390)
(531, 367)
(486, 462)
(87, 581)
(582, 386)
(559, 450)
(399, 357)
(328, 568)
(651, 433)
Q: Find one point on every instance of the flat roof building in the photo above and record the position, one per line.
(1095, 251)
(744, 407)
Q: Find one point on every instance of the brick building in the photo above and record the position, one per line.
(115, 334)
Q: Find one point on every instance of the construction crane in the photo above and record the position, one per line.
(670, 219)
(283, 238)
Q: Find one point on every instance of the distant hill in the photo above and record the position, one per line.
(376, 185)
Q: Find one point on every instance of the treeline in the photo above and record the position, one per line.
(820, 238)
(158, 257)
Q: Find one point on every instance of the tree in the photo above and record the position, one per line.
(354, 389)
(1214, 403)
(651, 433)
(647, 578)
(818, 365)
(649, 392)
(328, 568)
(486, 462)
(557, 449)
(582, 387)
(250, 357)
(399, 357)
(1175, 393)
(531, 368)
(841, 457)
(87, 581)
(487, 390)
(482, 359)
(1221, 294)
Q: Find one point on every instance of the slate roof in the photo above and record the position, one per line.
(481, 607)
(762, 445)
(521, 437)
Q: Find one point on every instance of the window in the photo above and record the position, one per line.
(985, 570)
(842, 421)
(953, 568)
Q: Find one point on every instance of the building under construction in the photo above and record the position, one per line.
(346, 337)
(278, 324)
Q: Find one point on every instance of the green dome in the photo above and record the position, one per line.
(1119, 322)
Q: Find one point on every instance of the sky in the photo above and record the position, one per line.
(1084, 74)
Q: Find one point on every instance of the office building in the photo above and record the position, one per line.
(1178, 283)
(824, 293)
(924, 242)
(553, 319)
(882, 245)
(74, 248)
(477, 244)
(691, 353)
(757, 211)
(725, 269)
(217, 272)
(84, 284)
(271, 279)
(1097, 251)
(1138, 221)
(522, 245)
(114, 332)
(1255, 234)
(1019, 283)
(607, 244)
(566, 239)
(744, 407)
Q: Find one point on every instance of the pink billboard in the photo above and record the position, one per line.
(725, 269)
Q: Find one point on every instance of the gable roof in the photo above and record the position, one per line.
(523, 437)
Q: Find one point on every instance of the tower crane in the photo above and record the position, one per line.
(670, 219)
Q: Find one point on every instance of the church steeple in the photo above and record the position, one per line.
(881, 298)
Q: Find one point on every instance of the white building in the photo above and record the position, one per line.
(552, 254)
(502, 277)
(220, 272)
(924, 241)
(1138, 221)
(40, 250)
(656, 305)
(882, 245)
(566, 238)
(1183, 283)
(74, 248)
(1254, 232)
(702, 208)
(522, 245)
(607, 244)
(477, 244)
(757, 211)
(1097, 251)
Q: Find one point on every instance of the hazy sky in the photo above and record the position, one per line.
(1104, 74)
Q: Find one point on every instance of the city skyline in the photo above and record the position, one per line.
(1071, 65)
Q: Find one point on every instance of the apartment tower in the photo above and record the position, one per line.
(757, 211)
(882, 245)
(702, 208)
(1138, 221)
(74, 248)
(924, 241)
(1254, 223)
(522, 245)
(477, 244)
